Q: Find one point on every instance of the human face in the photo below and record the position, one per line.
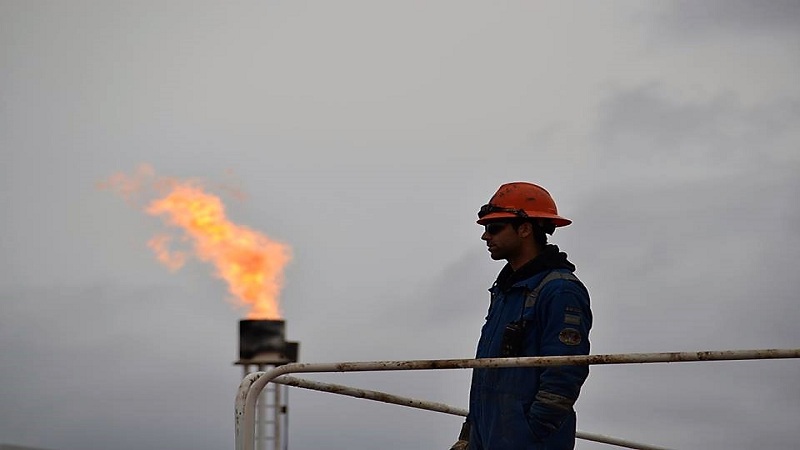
(502, 240)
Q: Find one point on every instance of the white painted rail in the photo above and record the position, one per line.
(252, 385)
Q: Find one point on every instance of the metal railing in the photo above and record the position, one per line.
(252, 385)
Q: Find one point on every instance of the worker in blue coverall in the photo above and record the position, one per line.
(538, 308)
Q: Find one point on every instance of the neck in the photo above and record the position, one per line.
(526, 255)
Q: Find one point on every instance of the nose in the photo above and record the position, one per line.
(486, 236)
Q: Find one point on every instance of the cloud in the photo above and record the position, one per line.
(109, 367)
(707, 196)
(732, 16)
(650, 128)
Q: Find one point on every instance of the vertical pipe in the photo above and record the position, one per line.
(277, 417)
(285, 411)
(262, 416)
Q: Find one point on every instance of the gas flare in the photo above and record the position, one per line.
(251, 263)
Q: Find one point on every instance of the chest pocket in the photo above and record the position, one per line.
(515, 332)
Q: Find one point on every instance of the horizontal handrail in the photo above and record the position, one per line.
(252, 385)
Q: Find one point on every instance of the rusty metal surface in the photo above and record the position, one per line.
(369, 395)
(241, 397)
(603, 439)
(245, 408)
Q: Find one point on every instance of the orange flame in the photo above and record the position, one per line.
(248, 261)
(173, 260)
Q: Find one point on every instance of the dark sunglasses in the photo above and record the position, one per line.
(495, 227)
(490, 208)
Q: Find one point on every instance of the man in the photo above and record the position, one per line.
(538, 308)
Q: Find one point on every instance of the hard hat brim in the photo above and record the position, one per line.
(558, 221)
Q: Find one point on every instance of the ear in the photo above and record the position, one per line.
(525, 229)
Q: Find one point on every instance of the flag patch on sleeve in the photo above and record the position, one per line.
(570, 336)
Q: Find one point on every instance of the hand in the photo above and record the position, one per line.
(463, 438)
(460, 445)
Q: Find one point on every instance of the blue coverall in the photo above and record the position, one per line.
(531, 407)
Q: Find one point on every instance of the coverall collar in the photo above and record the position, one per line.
(550, 258)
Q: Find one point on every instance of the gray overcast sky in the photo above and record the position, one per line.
(366, 134)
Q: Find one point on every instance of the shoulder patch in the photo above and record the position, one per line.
(572, 319)
(570, 336)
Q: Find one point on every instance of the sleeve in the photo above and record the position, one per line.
(564, 323)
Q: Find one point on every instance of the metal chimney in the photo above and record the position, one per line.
(262, 343)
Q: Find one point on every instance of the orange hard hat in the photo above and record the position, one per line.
(521, 200)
